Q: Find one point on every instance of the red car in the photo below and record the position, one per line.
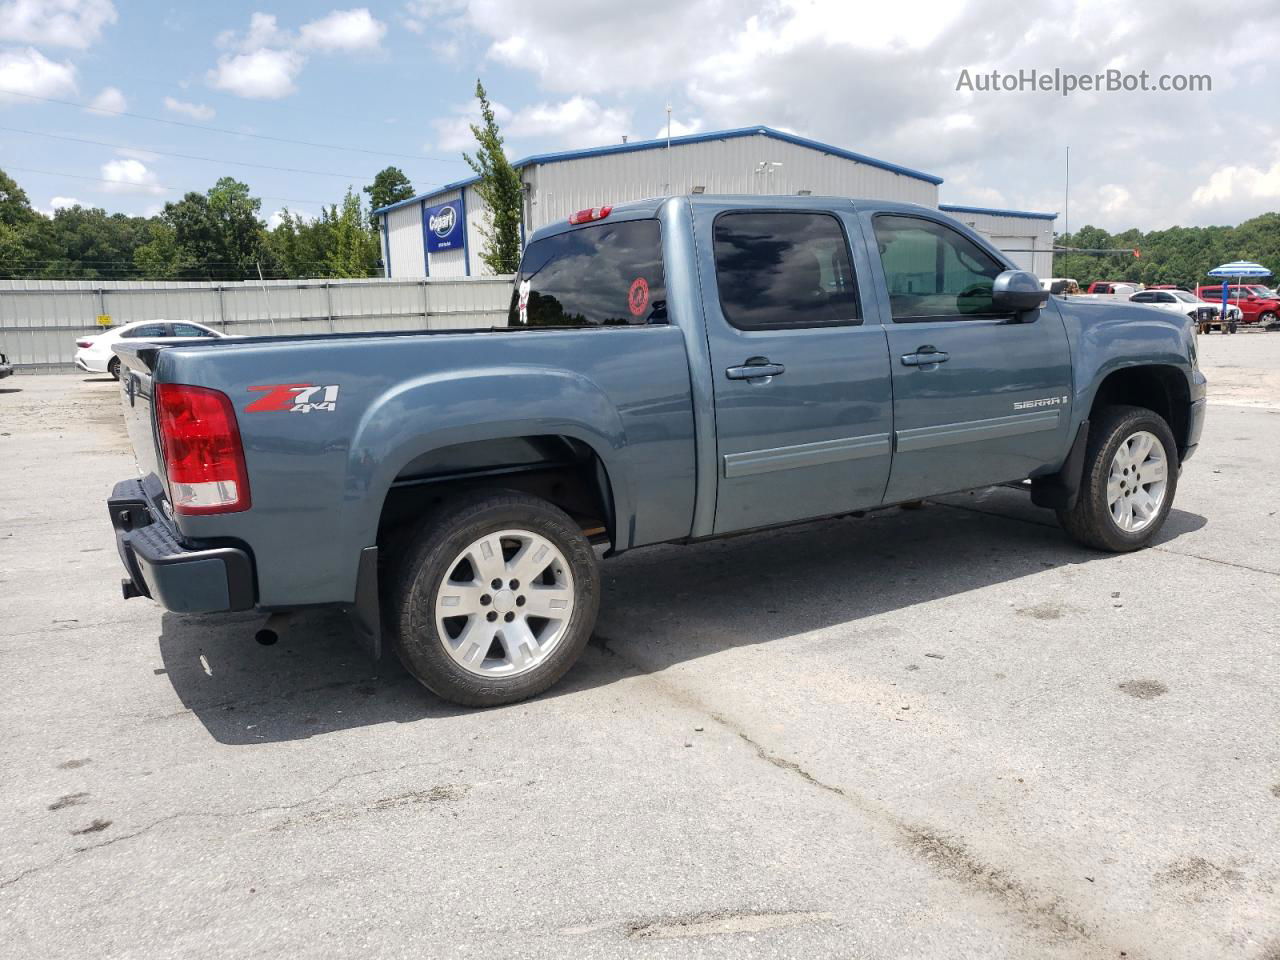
(1256, 302)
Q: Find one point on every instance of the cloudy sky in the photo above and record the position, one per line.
(128, 104)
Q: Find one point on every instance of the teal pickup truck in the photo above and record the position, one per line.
(671, 370)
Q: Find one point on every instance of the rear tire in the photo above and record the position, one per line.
(113, 368)
(470, 588)
(1124, 497)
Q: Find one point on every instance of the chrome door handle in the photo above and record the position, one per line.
(756, 368)
(924, 356)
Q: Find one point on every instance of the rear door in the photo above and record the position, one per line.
(803, 410)
(979, 398)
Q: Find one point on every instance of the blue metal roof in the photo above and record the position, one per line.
(991, 211)
(545, 158)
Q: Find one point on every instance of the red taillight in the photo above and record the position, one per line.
(586, 216)
(200, 444)
(83, 343)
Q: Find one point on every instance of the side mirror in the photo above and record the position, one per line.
(1017, 291)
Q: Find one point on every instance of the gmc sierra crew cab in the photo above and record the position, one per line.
(671, 370)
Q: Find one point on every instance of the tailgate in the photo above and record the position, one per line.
(135, 398)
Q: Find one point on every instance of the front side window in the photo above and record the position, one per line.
(778, 270)
(190, 330)
(932, 271)
(599, 276)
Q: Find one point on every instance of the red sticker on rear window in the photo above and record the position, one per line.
(638, 296)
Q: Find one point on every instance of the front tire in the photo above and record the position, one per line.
(1130, 478)
(113, 368)
(496, 597)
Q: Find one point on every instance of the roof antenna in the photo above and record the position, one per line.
(668, 190)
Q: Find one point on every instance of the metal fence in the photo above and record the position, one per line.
(41, 319)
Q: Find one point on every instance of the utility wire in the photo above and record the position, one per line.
(234, 133)
(183, 156)
(160, 186)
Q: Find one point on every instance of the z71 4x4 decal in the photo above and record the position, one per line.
(294, 398)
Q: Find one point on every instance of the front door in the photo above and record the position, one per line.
(979, 398)
(803, 407)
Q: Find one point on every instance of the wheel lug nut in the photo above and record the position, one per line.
(497, 584)
(485, 599)
(519, 601)
(509, 617)
(492, 615)
(514, 584)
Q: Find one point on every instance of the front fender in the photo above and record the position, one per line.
(1106, 337)
(449, 407)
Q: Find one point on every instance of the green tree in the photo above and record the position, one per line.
(499, 188)
(216, 235)
(389, 186)
(353, 251)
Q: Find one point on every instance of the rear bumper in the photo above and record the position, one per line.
(161, 567)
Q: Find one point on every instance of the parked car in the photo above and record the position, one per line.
(1205, 315)
(93, 353)
(1256, 302)
(1116, 287)
(6, 368)
(674, 370)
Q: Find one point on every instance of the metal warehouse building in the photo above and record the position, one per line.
(440, 234)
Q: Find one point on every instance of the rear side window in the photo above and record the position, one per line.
(609, 275)
(147, 330)
(932, 271)
(776, 270)
(190, 330)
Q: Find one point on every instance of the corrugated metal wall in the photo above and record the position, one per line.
(40, 319)
(1015, 234)
(719, 166)
(405, 240)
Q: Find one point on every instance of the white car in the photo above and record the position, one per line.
(1180, 301)
(94, 354)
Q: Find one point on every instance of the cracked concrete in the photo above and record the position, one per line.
(1012, 796)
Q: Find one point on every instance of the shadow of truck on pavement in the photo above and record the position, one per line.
(674, 602)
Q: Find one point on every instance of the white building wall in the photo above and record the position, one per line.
(719, 166)
(404, 238)
(1014, 235)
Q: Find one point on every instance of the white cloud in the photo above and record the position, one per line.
(349, 30)
(129, 176)
(882, 81)
(454, 132)
(264, 62)
(576, 122)
(30, 71)
(264, 31)
(419, 16)
(59, 203)
(55, 23)
(110, 100)
(196, 111)
(262, 74)
(679, 128)
(276, 218)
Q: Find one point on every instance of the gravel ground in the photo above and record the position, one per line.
(939, 733)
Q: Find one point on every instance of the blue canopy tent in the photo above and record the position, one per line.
(1239, 269)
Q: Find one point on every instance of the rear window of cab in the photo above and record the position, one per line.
(604, 275)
